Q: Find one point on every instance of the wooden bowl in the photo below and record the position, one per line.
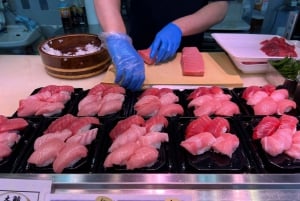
(74, 56)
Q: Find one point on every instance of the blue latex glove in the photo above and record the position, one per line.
(166, 43)
(130, 67)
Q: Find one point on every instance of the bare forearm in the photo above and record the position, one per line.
(109, 16)
(203, 19)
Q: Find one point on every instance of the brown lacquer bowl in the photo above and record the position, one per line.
(74, 56)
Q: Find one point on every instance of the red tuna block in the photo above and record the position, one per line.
(192, 63)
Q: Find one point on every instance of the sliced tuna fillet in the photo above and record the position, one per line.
(192, 62)
(145, 54)
(294, 150)
(197, 126)
(153, 139)
(156, 123)
(266, 127)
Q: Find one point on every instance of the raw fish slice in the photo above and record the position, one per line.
(228, 108)
(150, 91)
(196, 102)
(147, 106)
(222, 97)
(97, 89)
(84, 138)
(288, 121)
(60, 123)
(89, 105)
(41, 96)
(5, 151)
(197, 126)
(82, 124)
(57, 88)
(198, 144)
(125, 124)
(2, 118)
(110, 107)
(144, 156)
(114, 89)
(49, 109)
(267, 106)
(62, 97)
(257, 97)
(226, 144)
(145, 54)
(285, 105)
(280, 94)
(113, 96)
(153, 139)
(269, 88)
(120, 155)
(156, 123)
(267, 126)
(249, 91)
(218, 126)
(198, 92)
(42, 140)
(277, 143)
(168, 98)
(9, 138)
(28, 107)
(68, 156)
(164, 90)
(12, 124)
(294, 150)
(192, 63)
(171, 110)
(46, 154)
(208, 108)
(130, 135)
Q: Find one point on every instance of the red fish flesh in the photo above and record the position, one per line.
(226, 144)
(144, 156)
(198, 144)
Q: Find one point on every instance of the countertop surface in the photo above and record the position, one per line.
(21, 74)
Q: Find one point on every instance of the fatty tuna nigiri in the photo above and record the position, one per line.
(198, 144)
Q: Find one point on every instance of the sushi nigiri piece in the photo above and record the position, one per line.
(197, 126)
(48, 109)
(5, 151)
(150, 91)
(120, 155)
(156, 123)
(257, 97)
(168, 98)
(279, 94)
(82, 124)
(62, 97)
(208, 108)
(147, 106)
(153, 139)
(68, 156)
(85, 137)
(228, 109)
(249, 91)
(42, 140)
(285, 105)
(12, 124)
(278, 142)
(60, 123)
(9, 138)
(226, 144)
(114, 89)
(218, 126)
(89, 105)
(130, 135)
(57, 88)
(200, 100)
(267, 106)
(288, 121)
(171, 110)
(124, 124)
(110, 107)
(198, 144)
(267, 126)
(294, 150)
(46, 154)
(144, 156)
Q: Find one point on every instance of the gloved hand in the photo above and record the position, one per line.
(166, 43)
(130, 67)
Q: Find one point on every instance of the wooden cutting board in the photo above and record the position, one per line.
(219, 70)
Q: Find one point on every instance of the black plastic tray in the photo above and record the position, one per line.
(267, 163)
